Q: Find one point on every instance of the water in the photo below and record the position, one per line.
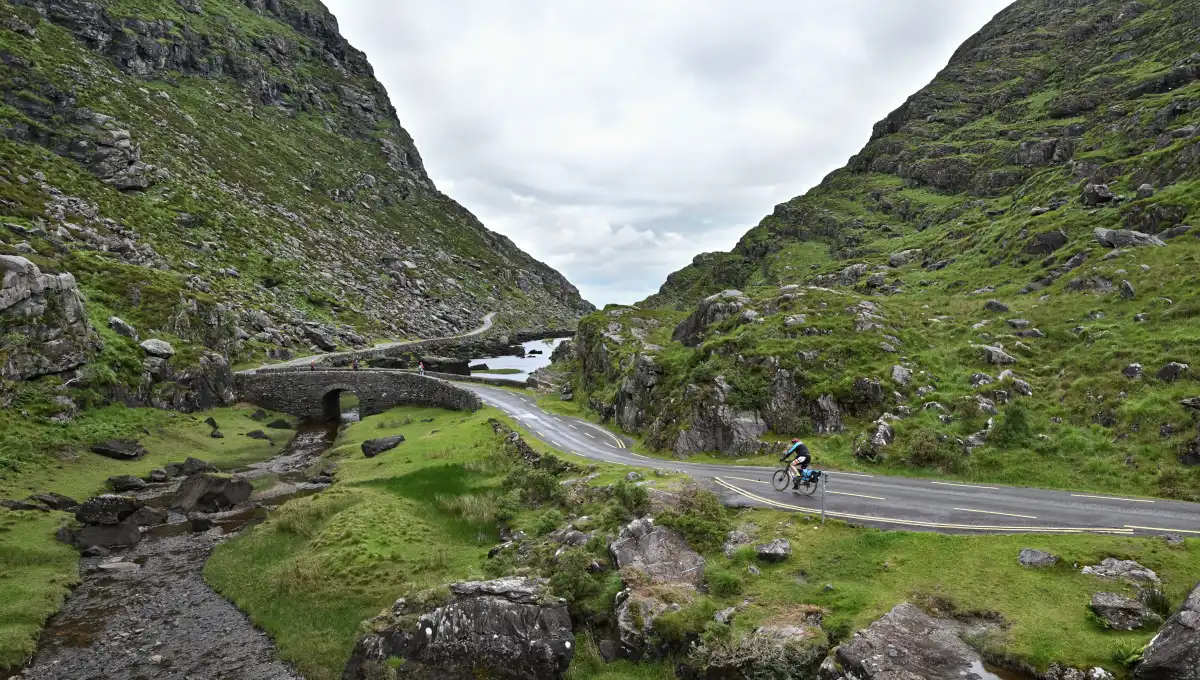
(526, 364)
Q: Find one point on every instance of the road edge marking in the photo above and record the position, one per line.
(992, 512)
(1169, 531)
(1112, 498)
(967, 486)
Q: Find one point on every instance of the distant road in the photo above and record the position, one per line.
(301, 361)
(876, 500)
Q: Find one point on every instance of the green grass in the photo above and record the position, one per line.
(36, 571)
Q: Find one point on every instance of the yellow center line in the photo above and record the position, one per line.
(968, 486)
(933, 525)
(755, 481)
(1182, 531)
(540, 434)
(989, 512)
(1112, 498)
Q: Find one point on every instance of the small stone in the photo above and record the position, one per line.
(775, 551)
(753, 570)
(1132, 371)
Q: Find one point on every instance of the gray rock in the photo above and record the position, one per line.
(107, 509)
(1019, 323)
(1172, 371)
(1128, 570)
(122, 483)
(659, 552)
(158, 476)
(1122, 613)
(995, 355)
(905, 256)
(636, 613)
(906, 644)
(775, 551)
(995, 306)
(715, 425)
(1145, 191)
(901, 376)
(374, 447)
(1036, 558)
(1174, 654)
(509, 629)
(189, 467)
(1097, 194)
(978, 379)
(1046, 243)
(21, 505)
(89, 538)
(119, 449)
(712, 309)
(876, 444)
(148, 517)
(1127, 290)
(733, 541)
(1125, 238)
(1132, 371)
(122, 328)
(158, 348)
(279, 424)
(210, 492)
(55, 501)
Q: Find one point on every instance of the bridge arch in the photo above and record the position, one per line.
(310, 394)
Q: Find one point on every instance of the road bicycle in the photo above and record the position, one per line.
(806, 482)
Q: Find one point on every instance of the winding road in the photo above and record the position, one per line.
(876, 500)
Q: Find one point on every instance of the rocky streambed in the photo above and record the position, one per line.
(146, 613)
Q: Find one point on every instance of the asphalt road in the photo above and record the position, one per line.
(876, 500)
(303, 361)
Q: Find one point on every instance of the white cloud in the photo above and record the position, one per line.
(616, 140)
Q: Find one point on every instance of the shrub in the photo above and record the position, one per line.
(699, 517)
(680, 627)
(633, 498)
(571, 579)
(537, 486)
(1013, 429)
(760, 657)
(925, 449)
(1128, 655)
(723, 582)
(547, 522)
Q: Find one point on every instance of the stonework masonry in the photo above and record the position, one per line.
(314, 394)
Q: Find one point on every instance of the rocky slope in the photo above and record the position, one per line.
(1052, 168)
(227, 176)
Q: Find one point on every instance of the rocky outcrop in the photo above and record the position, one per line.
(712, 309)
(1122, 613)
(635, 614)
(45, 327)
(715, 425)
(1174, 654)
(374, 447)
(658, 552)
(1126, 570)
(1124, 238)
(210, 492)
(905, 643)
(778, 550)
(107, 509)
(509, 629)
(119, 449)
(1036, 558)
(189, 467)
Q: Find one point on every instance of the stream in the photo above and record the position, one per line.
(147, 614)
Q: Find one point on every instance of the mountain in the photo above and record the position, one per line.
(227, 176)
(1002, 284)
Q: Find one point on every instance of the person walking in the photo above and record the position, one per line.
(312, 365)
(355, 364)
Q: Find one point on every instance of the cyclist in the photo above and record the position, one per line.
(802, 457)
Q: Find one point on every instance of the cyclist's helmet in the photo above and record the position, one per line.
(795, 441)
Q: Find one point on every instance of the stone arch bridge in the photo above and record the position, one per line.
(315, 394)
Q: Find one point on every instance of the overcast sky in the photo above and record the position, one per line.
(615, 140)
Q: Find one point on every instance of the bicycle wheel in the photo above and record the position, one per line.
(780, 480)
(808, 488)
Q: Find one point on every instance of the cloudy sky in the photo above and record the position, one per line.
(616, 139)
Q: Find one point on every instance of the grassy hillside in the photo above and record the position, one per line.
(982, 186)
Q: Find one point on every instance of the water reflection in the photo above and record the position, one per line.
(537, 355)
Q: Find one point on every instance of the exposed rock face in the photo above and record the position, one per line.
(1124, 238)
(119, 449)
(718, 426)
(374, 447)
(775, 551)
(635, 613)
(659, 552)
(1174, 654)
(509, 628)
(210, 492)
(120, 535)
(189, 467)
(713, 309)
(1128, 570)
(122, 483)
(1122, 613)
(905, 643)
(46, 312)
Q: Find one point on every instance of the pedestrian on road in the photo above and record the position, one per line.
(312, 365)
(421, 367)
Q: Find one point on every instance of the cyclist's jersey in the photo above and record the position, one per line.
(798, 450)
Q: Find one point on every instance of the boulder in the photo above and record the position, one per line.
(712, 309)
(20, 505)
(210, 492)
(189, 467)
(775, 551)
(212, 422)
(122, 328)
(1174, 654)
(279, 424)
(148, 517)
(1097, 194)
(1132, 371)
(107, 509)
(905, 256)
(661, 553)
(995, 306)
(1125, 238)
(1112, 568)
(1036, 558)
(258, 434)
(876, 444)
(1046, 243)
(158, 476)
(93, 537)
(901, 376)
(1127, 290)
(1172, 371)
(158, 348)
(122, 483)
(1122, 613)
(1145, 191)
(374, 447)
(635, 615)
(995, 355)
(906, 644)
(510, 629)
(119, 449)
(258, 416)
(733, 541)
(55, 501)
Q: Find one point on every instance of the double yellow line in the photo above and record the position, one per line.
(927, 525)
